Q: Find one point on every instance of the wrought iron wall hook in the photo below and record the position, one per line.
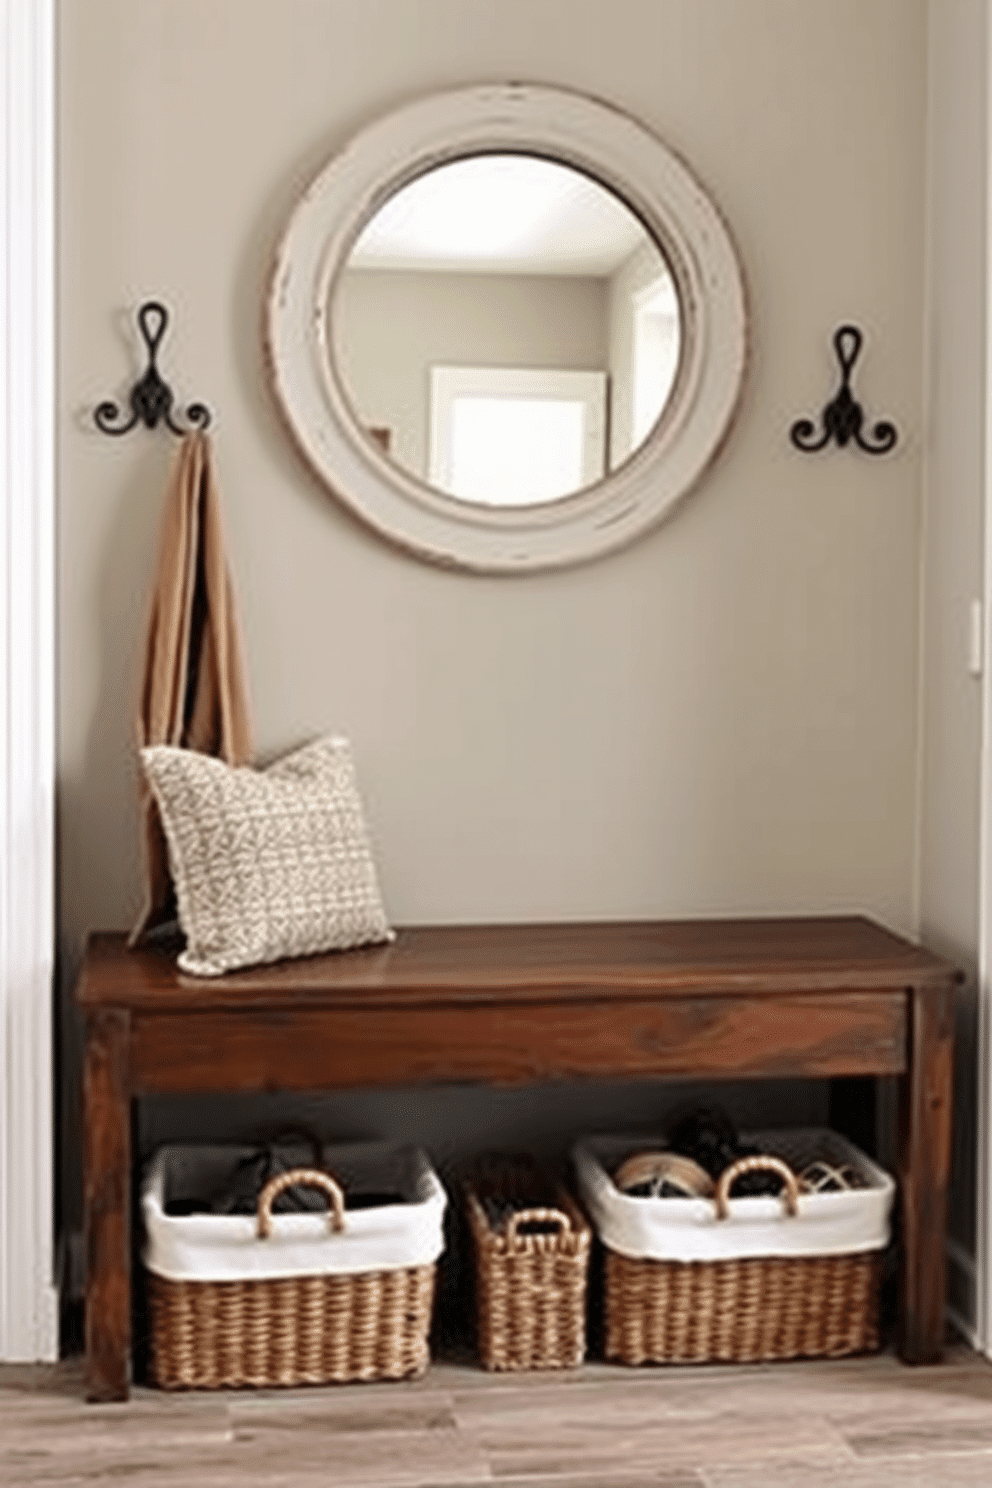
(843, 417)
(151, 397)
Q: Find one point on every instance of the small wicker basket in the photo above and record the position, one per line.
(306, 1329)
(530, 1286)
(744, 1308)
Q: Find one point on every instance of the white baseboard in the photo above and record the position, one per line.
(965, 1328)
(961, 1260)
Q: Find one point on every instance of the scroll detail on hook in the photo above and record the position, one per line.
(151, 397)
(843, 416)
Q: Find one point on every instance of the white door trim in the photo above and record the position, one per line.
(28, 1297)
(983, 1145)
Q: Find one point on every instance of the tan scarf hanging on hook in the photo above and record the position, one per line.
(194, 690)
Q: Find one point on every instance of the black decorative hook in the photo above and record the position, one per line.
(151, 397)
(843, 416)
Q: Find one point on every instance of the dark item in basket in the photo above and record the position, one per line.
(297, 1199)
(708, 1136)
(508, 1185)
(373, 1199)
(182, 1208)
(239, 1195)
(240, 1192)
(271, 1158)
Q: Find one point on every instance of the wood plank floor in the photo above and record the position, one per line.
(860, 1423)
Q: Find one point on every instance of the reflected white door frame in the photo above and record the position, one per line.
(28, 1297)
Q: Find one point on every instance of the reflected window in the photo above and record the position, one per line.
(509, 436)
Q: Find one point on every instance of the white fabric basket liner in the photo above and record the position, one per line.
(687, 1229)
(212, 1247)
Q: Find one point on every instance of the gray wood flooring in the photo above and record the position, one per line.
(860, 1423)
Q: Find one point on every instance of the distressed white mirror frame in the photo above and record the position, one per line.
(624, 157)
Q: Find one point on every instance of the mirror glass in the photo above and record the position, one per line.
(505, 329)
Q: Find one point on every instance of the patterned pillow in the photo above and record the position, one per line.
(267, 863)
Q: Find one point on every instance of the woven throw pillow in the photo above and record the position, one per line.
(267, 863)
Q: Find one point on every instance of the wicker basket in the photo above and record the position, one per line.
(748, 1308)
(530, 1287)
(324, 1326)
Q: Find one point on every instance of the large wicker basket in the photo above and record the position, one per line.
(318, 1317)
(799, 1279)
(531, 1272)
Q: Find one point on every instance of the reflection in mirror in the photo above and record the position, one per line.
(506, 329)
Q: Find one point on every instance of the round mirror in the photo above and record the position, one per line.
(507, 327)
(507, 330)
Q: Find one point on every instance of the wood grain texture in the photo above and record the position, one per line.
(295, 1048)
(950, 1471)
(858, 1423)
(911, 1437)
(924, 1171)
(107, 1200)
(475, 963)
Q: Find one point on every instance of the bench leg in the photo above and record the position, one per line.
(925, 1097)
(107, 1147)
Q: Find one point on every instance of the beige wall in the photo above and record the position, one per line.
(391, 326)
(720, 719)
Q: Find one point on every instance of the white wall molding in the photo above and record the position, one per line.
(28, 1298)
(962, 1325)
(954, 845)
(963, 1277)
(983, 1238)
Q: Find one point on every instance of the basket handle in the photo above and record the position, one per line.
(762, 1162)
(308, 1178)
(536, 1216)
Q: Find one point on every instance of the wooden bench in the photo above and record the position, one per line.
(511, 1004)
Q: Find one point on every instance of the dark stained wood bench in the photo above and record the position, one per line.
(504, 1004)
